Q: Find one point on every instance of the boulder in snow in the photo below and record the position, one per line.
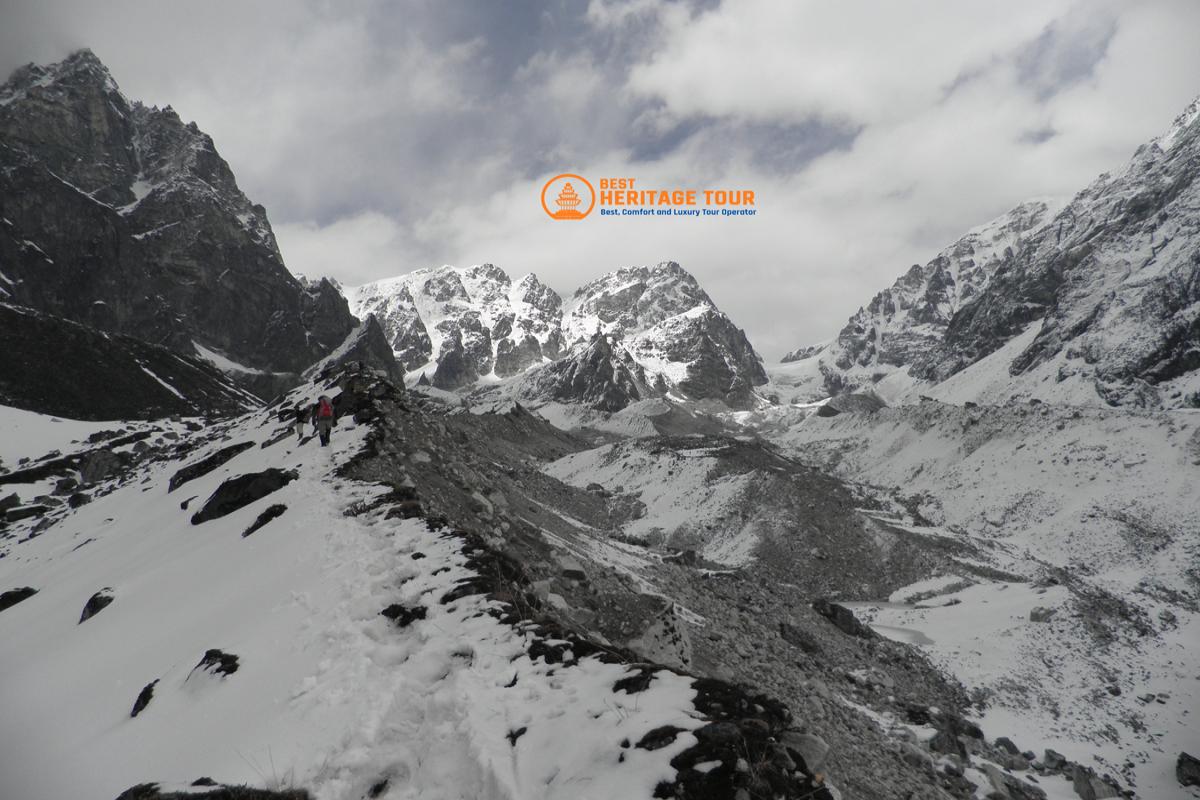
(241, 491)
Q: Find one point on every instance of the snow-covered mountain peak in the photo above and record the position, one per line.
(1096, 303)
(463, 326)
(458, 325)
(80, 68)
(1181, 123)
(906, 320)
(631, 300)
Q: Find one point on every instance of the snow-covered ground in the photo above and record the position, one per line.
(1097, 501)
(26, 434)
(683, 497)
(328, 694)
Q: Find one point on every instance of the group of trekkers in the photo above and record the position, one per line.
(320, 414)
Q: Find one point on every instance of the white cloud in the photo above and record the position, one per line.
(354, 249)
(390, 136)
(851, 60)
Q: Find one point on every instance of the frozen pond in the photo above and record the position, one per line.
(896, 633)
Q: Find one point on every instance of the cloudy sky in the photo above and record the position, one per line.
(387, 136)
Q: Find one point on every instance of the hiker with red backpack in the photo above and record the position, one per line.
(322, 418)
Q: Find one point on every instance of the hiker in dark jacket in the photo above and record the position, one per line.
(301, 418)
(323, 418)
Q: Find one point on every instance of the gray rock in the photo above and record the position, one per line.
(810, 747)
(1090, 786)
(1042, 614)
(1187, 770)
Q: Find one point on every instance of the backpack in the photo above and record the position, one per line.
(326, 410)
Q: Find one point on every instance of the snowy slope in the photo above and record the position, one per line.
(328, 693)
(1090, 513)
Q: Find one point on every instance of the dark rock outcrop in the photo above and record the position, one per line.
(403, 615)
(271, 512)
(217, 662)
(96, 603)
(599, 376)
(152, 791)
(206, 464)
(143, 699)
(11, 597)
(122, 217)
(366, 347)
(843, 618)
(54, 366)
(241, 491)
(1187, 770)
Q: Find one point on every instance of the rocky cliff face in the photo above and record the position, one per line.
(635, 332)
(53, 366)
(1097, 301)
(672, 328)
(121, 217)
(904, 322)
(1114, 280)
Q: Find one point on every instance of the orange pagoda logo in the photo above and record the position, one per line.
(573, 196)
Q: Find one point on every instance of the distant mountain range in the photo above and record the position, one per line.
(463, 327)
(1094, 302)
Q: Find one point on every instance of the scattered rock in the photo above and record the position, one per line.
(660, 737)
(810, 747)
(96, 603)
(266, 516)
(217, 662)
(945, 741)
(916, 756)
(1090, 786)
(25, 512)
(639, 681)
(572, 569)
(1187, 770)
(241, 491)
(843, 618)
(206, 465)
(1042, 614)
(151, 791)
(13, 596)
(1054, 759)
(143, 699)
(100, 464)
(800, 638)
(1011, 787)
(1007, 745)
(404, 616)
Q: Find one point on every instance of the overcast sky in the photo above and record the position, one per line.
(387, 136)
